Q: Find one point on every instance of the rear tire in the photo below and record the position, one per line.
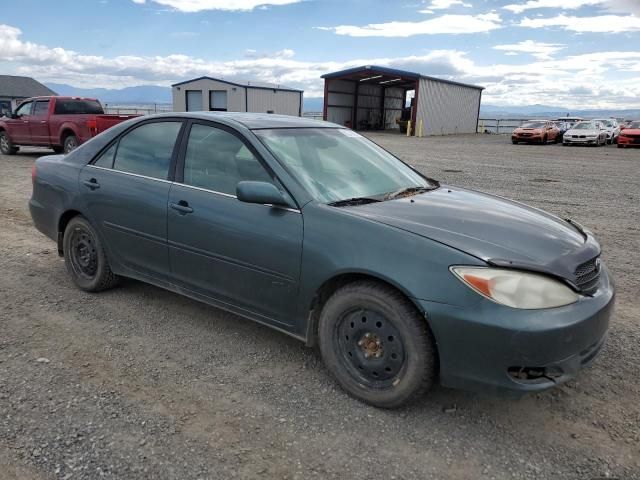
(6, 145)
(70, 143)
(85, 257)
(58, 149)
(514, 142)
(377, 345)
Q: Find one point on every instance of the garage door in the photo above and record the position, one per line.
(194, 100)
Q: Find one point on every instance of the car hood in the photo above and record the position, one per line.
(583, 132)
(491, 228)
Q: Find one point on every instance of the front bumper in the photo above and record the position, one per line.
(493, 348)
(531, 139)
(629, 141)
(580, 141)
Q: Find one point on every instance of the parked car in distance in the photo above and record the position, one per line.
(314, 230)
(564, 124)
(536, 131)
(586, 133)
(612, 128)
(630, 135)
(60, 123)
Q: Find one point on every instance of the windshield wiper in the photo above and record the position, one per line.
(347, 202)
(407, 191)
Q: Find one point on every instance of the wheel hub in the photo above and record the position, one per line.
(371, 347)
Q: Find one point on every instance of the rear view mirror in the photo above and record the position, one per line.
(260, 192)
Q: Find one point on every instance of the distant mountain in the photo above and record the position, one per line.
(143, 94)
(545, 111)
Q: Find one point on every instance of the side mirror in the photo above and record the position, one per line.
(14, 115)
(260, 192)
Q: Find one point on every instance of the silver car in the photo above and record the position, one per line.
(612, 127)
(586, 133)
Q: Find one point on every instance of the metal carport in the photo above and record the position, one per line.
(374, 97)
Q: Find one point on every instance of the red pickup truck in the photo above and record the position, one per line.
(61, 123)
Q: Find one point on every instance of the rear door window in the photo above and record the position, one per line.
(147, 150)
(41, 108)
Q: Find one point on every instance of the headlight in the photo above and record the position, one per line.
(515, 288)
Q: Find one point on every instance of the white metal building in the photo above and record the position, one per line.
(375, 98)
(213, 94)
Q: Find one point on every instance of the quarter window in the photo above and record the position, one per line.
(217, 160)
(148, 149)
(106, 159)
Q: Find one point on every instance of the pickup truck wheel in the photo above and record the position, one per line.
(85, 258)
(70, 143)
(377, 345)
(6, 145)
(58, 149)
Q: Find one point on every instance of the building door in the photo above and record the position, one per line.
(218, 100)
(194, 100)
(5, 107)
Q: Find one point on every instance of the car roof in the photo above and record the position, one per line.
(253, 121)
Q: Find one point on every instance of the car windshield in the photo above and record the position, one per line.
(634, 125)
(585, 126)
(605, 123)
(533, 125)
(336, 164)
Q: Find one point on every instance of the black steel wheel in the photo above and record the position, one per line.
(371, 346)
(85, 258)
(70, 143)
(377, 345)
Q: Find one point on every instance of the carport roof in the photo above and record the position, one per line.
(388, 76)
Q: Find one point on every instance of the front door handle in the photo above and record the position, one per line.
(182, 207)
(92, 183)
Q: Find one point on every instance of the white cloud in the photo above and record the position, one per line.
(452, 24)
(445, 4)
(540, 50)
(555, 4)
(200, 5)
(597, 24)
(612, 76)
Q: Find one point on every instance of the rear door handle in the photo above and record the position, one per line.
(92, 183)
(181, 207)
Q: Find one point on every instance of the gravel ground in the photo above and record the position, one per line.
(141, 383)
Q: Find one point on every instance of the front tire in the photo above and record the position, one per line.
(70, 143)
(544, 140)
(6, 145)
(377, 345)
(85, 257)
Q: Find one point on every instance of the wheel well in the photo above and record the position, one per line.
(66, 133)
(62, 226)
(328, 288)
